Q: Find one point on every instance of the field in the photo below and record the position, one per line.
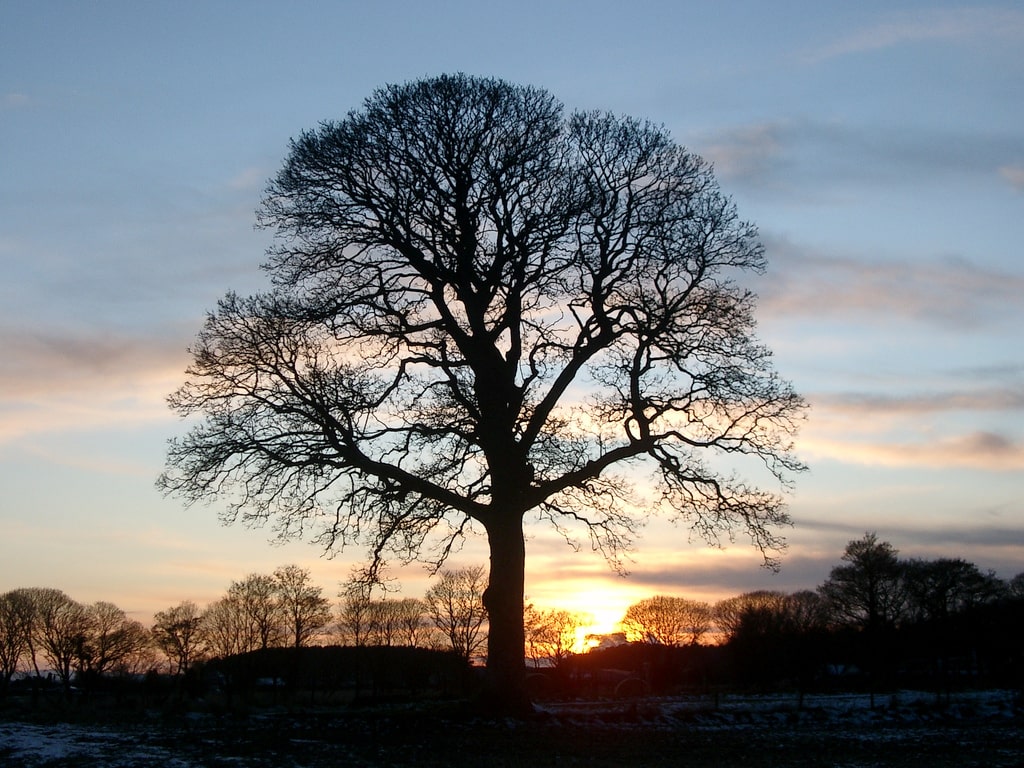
(842, 731)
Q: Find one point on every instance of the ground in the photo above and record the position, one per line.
(903, 729)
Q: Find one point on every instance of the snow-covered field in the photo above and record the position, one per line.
(842, 731)
(849, 709)
(64, 744)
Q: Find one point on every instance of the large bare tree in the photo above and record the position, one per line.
(484, 308)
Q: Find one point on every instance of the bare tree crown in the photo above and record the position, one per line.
(483, 306)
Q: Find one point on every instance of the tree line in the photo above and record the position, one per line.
(873, 590)
(877, 621)
(855, 614)
(45, 632)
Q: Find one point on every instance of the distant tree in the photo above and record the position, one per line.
(225, 628)
(177, 632)
(602, 641)
(807, 612)
(937, 589)
(110, 641)
(410, 621)
(455, 605)
(395, 622)
(456, 263)
(868, 590)
(14, 640)
(551, 634)
(262, 613)
(769, 613)
(141, 659)
(306, 611)
(383, 623)
(1015, 586)
(23, 603)
(733, 612)
(61, 624)
(666, 620)
(354, 612)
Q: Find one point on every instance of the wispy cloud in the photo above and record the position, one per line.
(972, 429)
(1015, 175)
(951, 24)
(14, 100)
(818, 159)
(72, 381)
(861, 404)
(979, 450)
(249, 179)
(750, 152)
(949, 293)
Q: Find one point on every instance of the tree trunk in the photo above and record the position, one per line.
(505, 682)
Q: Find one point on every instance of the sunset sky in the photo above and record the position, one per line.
(879, 146)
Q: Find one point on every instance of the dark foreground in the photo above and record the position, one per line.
(904, 730)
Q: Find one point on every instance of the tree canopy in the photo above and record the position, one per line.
(484, 307)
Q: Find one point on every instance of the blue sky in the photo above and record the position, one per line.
(878, 146)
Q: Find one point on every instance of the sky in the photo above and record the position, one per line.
(878, 146)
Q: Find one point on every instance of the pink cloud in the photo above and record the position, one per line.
(981, 450)
(955, 24)
(952, 292)
(1015, 175)
(64, 381)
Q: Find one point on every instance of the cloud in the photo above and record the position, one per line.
(971, 429)
(67, 381)
(750, 152)
(988, 545)
(870, 404)
(248, 179)
(816, 160)
(954, 294)
(984, 450)
(722, 574)
(952, 25)
(14, 100)
(1015, 175)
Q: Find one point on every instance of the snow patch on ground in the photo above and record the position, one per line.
(895, 718)
(853, 710)
(69, 744)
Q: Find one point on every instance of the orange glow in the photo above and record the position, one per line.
(602, 603)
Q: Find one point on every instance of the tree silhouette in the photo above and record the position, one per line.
(733, 613)
(61, 625)
(869, 589)
(551, 634)
(109, 641)
(14, 635)
(355, 611)
(936, 589)
(667, 620)
(178, 632)
(455, 606)
(305, 609)
(483, 309)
